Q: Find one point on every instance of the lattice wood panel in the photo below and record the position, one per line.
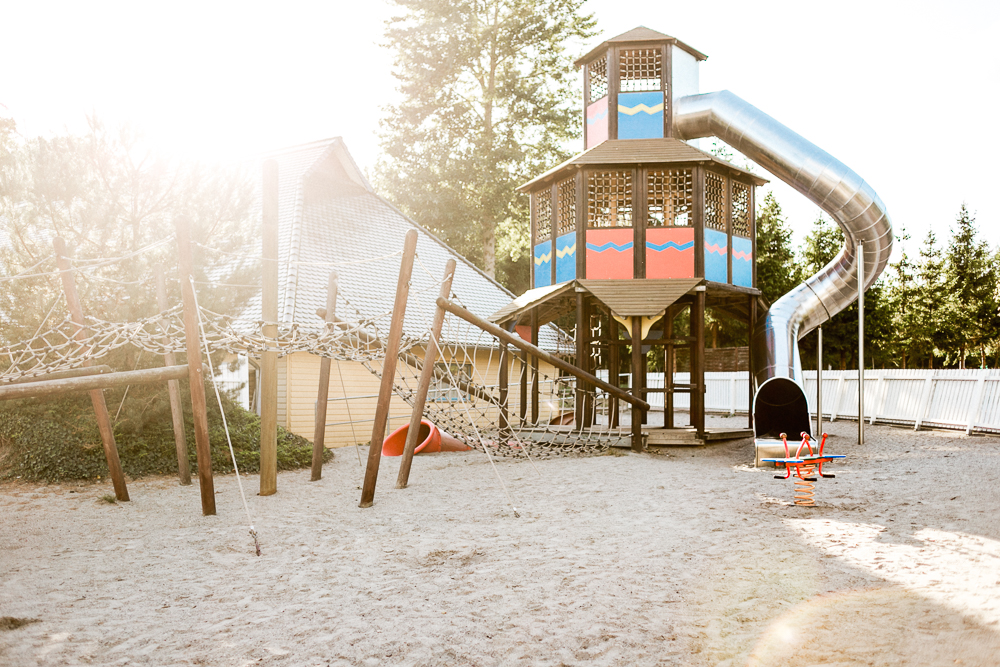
(741, 209)
(640, 70)
(670, 197)
(566, 206)
(598, 71)
(542, 202)
(715, 201)
(609, 199)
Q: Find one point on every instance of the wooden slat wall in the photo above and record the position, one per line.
(297, 396)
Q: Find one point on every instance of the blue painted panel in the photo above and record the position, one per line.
(716, 256)
(742, 262)
(640, 115)
(566, 257)
(543, 264)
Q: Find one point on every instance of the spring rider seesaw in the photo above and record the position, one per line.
(806, 469)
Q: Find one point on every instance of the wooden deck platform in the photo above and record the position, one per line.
(688, 437)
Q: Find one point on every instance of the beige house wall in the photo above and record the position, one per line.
(299, 379)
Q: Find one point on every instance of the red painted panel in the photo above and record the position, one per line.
(610, 253)
(670, 252)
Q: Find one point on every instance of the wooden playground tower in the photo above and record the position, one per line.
(641, 233)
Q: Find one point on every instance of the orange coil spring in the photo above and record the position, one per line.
(804, 489)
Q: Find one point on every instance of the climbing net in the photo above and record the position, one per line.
(532, 413)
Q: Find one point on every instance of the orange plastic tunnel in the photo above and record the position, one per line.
(431, 440)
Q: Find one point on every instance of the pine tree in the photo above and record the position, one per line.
(902, 298)
(489, 99)
(971, 286)
(930, 303)
(777, 270)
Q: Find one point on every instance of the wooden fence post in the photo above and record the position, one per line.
(97, 395)
(389, 369)
(269, 314)
(323, 392)
(173, 388)
(192, 340)
(426, 375)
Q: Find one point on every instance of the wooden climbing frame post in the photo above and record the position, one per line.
(269, 314)
(192, 341)
(96, 395)
(173, 388)
(389, 369)
(323, 391)
(426, 375)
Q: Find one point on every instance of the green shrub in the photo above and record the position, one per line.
(56, 439)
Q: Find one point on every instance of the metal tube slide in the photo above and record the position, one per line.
(825, 181)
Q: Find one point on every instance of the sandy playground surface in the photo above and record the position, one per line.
(681, 557)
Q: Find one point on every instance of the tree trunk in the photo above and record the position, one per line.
(489, 239)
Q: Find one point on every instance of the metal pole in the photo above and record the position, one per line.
(861, 342)
(819, 381)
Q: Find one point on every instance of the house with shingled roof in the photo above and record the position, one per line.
(330, 218)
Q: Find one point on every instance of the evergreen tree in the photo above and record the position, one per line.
(489, 99)
(777, 270)
(971, 286)
(930, 305)
(902, 298)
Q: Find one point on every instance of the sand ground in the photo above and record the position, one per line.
(678, 557)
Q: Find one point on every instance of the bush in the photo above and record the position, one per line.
(56, 439)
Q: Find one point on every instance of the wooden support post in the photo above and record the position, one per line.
(588, 365)
(581, 358)
(59, 375)
(668, 368)
(522, 397)
(614, 371)
(96, 381)
(269, 314)
(548, 358)
(323, 392)
(96, 395)
(426, 375)
(698, 362)
(750, 360)
(637, 414)
(389, 369)
(503, 379)
(195, 374)
(534, 367)
(173, 388)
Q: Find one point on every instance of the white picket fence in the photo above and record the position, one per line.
(968, 400)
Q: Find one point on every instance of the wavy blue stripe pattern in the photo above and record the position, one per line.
(669, 244)
(606, 246)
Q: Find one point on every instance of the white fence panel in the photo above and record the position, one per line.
(989, 415)
(950, 398)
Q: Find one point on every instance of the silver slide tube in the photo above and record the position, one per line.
(825, 181)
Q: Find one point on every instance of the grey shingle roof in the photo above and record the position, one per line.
(329, 214)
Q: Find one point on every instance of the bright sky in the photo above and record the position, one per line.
(905, 94)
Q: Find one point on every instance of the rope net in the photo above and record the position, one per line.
(466, 398)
